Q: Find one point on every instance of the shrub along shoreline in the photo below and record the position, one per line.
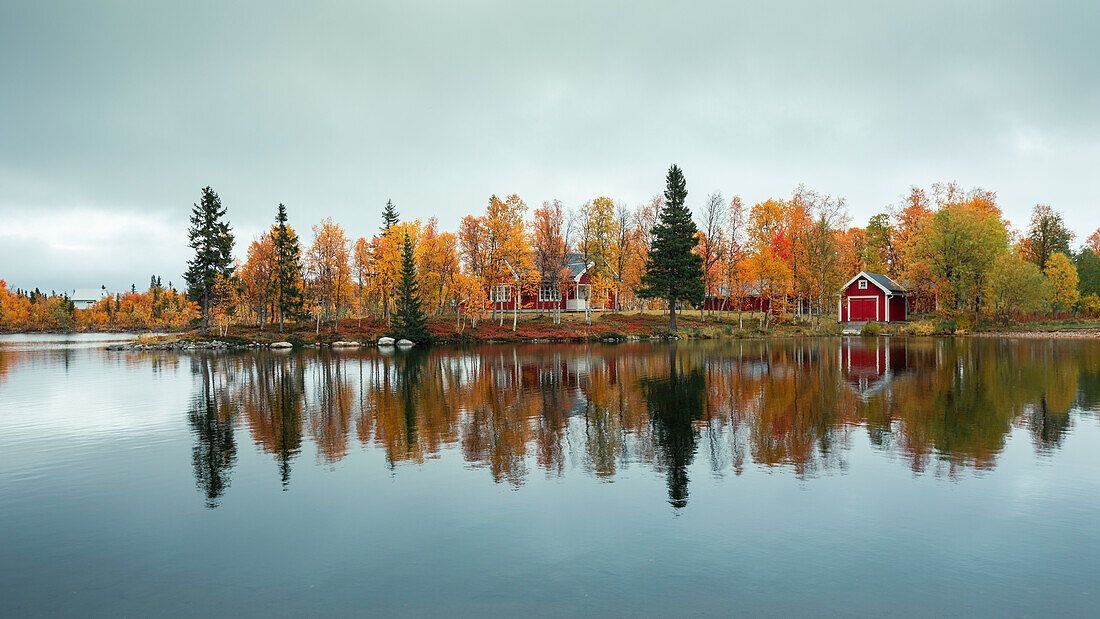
(617, 328)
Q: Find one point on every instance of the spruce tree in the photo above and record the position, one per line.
(212, 241)
(389, 216)
(288, 269)
(673, 272)
(408, 317)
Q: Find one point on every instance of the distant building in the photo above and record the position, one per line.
(84, 298)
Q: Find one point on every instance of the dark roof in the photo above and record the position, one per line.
(885, 282)
(574, 261)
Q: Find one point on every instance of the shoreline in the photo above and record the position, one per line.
(609, 329)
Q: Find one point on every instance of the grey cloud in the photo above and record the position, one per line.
(334, 108)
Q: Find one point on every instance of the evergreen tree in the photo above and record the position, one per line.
(213, 244)
(389, 216)
(1088, 271)
(673, 272)
(288, 269)
(408, 317)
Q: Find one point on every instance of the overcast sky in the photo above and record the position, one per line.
(113, 116)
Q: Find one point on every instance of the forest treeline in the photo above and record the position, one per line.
(952, 247)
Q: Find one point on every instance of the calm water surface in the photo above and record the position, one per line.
(835, 477)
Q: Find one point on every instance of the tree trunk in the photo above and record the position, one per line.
(671, 316)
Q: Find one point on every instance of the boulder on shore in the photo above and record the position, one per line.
(385, 341)
(405, 343)
(281, 345)
(345, 344)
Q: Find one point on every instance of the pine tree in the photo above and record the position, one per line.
(213, 244)
(288, 269)
(389, 216)
(408, 318)
(673, 272)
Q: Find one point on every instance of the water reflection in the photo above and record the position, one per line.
(941, 405)
(675, 404)
(211, 416)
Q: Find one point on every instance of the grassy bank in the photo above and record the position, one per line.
(626, 326)
(530, 327)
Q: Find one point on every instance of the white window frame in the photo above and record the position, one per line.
(863, 284)
(547, 293)
(501, 293)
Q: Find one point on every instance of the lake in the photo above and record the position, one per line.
(855, 476)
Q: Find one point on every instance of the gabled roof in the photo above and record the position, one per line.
(884, 282)
(575, 263)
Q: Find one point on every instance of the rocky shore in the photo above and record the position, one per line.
(382, 343)
(187, 345)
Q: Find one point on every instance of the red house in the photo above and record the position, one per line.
(871, 296)
(577, 295)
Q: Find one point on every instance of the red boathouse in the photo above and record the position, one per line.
(871, 296)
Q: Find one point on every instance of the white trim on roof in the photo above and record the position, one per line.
(870, 279)
(577, 278)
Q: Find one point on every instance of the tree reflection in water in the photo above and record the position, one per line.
(940, 405)
(675, 404)
(211, 417)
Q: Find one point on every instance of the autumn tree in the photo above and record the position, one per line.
(505, 248)
(548, 242)
(224, 298)
(408, 318)
(595, 243)
(212, 241)
(712, 221)
(329, 271)
(735, 266)
(879, 246)
(387, 265)
(1093, 242)
(642, 222)
(1046, 236)
(823, 258)
(1015, 286)
(597, 232)
(257, 278)
(913, 220)
(1063, 281)
(960, 244)
(770, 251)
(438, 265)
(622, 251)
(796, 225)
(363, 267)
(673, 271)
